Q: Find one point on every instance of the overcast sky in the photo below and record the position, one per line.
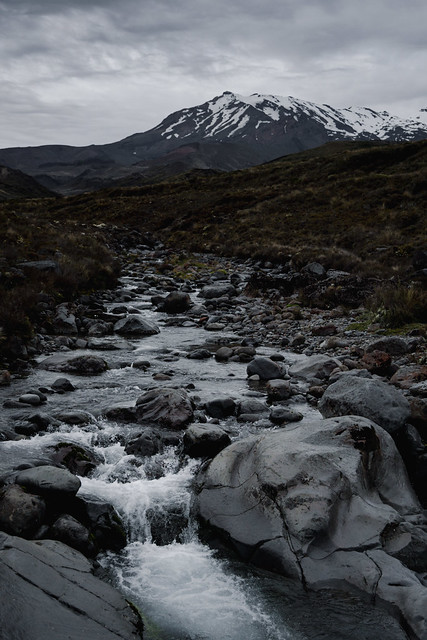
(93, 71)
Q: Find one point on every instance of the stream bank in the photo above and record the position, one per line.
(135, 462)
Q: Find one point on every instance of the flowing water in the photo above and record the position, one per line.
(185, 589)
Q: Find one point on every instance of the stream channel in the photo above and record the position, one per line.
(185, 589)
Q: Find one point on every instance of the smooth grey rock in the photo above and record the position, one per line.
(205, 440)
(314, 502)
(21, 513)
(52, 595)
(30, 398)
(265, 368)
(136, 326)
(371, 398)
(317, 366)
(74, 417)
(252, 406)
(165, 407)
(47, 480)
(281, 415)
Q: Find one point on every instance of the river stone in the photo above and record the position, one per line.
(265, 368)
(318, 366)
(314, 503)
(79, 365)
(62, 384)
(53, 595)
(165, 407)
(252, 406)
(370, 398)
(21, 513)
(49, 481)
(74, 417)
(220, 407)
(68, 530)
(136, 326)
(30, 398)
(64, 322)
(176, 302)
(205, 440)
(278, 390)
(281, 415)
(147, 443)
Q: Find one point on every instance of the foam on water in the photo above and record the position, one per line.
(191, 594)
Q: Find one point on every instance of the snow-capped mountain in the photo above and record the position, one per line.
(263, 118)
(229, 132)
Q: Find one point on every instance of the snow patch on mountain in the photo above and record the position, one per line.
(234, 115)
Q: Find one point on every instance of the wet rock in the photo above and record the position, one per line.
(56, 596)
(282, 415)
(30, 398)
(102, 520)
(21, 513)
(177, 302)
(79, 365)
(121, 414)
(136, 326)
(265, 368)
(74, 417)
(278, 390)
(333, 486)
(223, 354)
(317, 366)
(252, 406)
(205, 440)
(48, 481)
(200, 354)
(62, 384)
(68, 530)
(78, 460)
(221, 407)
(371, 398)
(146, 443)
(166, 407)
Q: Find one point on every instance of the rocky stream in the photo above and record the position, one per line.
(226, 463)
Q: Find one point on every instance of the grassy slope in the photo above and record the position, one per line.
(355, 196)
(358, 206)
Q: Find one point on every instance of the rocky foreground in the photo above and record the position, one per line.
(335, 498)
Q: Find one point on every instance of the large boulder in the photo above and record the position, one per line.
(134, 325)
(52, 595)
(205, 440)
(165, 407)
(366, 397)
(217, 291)
(327, 502)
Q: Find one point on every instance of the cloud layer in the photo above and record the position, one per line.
(96, 71)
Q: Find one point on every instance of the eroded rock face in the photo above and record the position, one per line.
(56, 596)
(320, 502)
(367, 397)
